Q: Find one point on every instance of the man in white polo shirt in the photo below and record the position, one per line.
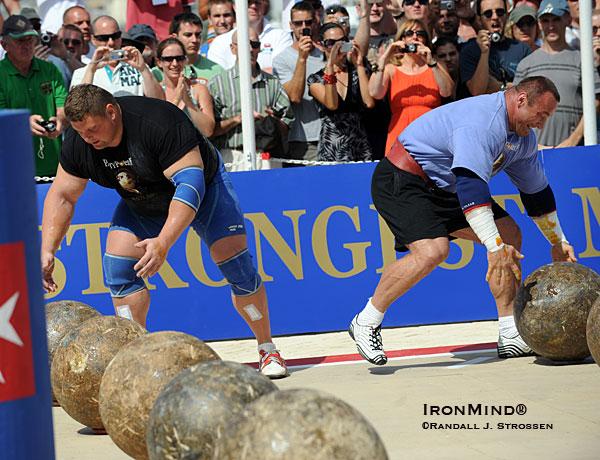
(121, 77)
(273, 41)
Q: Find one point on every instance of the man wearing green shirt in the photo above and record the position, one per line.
(27, 82)
(187, 27)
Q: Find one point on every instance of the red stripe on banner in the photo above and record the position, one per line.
(414, 352)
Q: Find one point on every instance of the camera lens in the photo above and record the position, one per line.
(49, 126)
(495, 37)
(45, 39)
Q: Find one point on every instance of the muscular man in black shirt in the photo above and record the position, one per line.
(169, 177)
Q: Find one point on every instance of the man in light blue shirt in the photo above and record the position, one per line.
(433, 186)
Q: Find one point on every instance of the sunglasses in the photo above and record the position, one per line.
(255, 45)
(332, 41)
(499, 12)
(178, 58)
(107, 37)
(418, 33)
(72, 41)
(525, 23)
(412, 2)
(307, 22)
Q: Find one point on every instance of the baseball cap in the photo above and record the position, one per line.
(141, 30)
(555, 7)
(126, 40)
(520, 12)
(17, 26)
(29, 13)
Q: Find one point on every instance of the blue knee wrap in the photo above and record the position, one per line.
(120, 275)
(240, 273)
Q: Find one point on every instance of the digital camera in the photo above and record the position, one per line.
(346, 48)
(495, 37)
(447, 5)
(117, 55)
(46, 39)
(49, 126)
(410, 48)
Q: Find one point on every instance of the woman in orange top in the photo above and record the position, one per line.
(416, 83)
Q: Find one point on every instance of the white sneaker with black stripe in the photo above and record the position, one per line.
(513, 347)
(368, 342)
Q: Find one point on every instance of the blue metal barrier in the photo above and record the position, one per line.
(26, 430)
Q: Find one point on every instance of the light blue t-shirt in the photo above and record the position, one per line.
(473, 133)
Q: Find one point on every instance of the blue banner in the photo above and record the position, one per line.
(321, 247)
(26, 430)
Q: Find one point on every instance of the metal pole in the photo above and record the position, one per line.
(26, 430)
(587, 73)
(243, 39)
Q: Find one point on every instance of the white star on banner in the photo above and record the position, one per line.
(7, 331)
(2, 378)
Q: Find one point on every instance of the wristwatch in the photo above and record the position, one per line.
(375, 68)
(433, 64)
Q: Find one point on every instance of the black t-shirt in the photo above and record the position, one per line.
(155, 135)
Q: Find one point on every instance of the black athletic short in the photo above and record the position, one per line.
(414, 210)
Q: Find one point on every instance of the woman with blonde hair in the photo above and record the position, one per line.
(415, 81)
(189, 95)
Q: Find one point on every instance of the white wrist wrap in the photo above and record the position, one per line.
(482, 222)
(550, 227)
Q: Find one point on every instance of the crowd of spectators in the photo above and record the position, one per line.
(319, 92)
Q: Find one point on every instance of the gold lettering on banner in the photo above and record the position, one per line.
(591, 195)
(263, 226)
(467, 248)
(321, 250)
(388, 253)
(502, 199)
(193, 253)
(94, 254)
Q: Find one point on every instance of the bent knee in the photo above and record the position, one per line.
(510, 232)
(433, 254)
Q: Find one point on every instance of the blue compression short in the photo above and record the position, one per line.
(220, 214)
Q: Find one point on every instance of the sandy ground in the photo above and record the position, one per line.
(394, 397)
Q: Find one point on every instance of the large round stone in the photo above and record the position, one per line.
(195, 407)
(80, 361)
(552, 307)
(593, 331)
(61, 317)
(299, 424)
(135, 377)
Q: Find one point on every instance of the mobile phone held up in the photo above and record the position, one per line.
(346, 48)
(306, 32)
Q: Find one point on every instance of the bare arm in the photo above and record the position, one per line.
(224, 126)
(202, 115)
(362, 36)
(478, 84)
(178, 219)
(443, 80)
(380, 80)
(327, 94)
(58, 212)
(11, 6)
(577, 134)
(295, 87)
(363, 79)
